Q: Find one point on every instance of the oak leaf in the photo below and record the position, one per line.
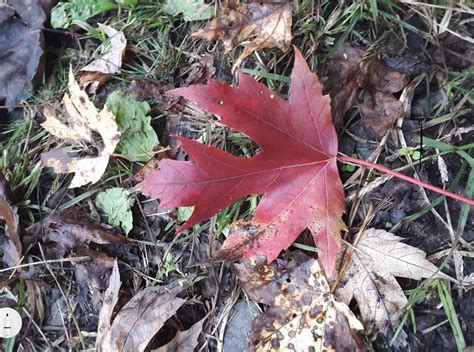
(82, 119)
(266, 25)
(369, 278)
(295, 169)
(303, 315)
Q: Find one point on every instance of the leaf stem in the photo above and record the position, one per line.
(349, 160)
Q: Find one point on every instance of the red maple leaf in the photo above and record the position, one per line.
(295, 169)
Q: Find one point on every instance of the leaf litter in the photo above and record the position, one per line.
(372, 100)
(266, 25)
(353, 79)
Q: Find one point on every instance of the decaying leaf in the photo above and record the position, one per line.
(71, 233)
(116, 204)
(81, 120)
(21, 45)
(266, 25)
(192, 10)
(199, 69)
(138, 136)
(142, 317)
(369, 278)
(303, 315)
(142, 90)
(184, 340)
(111, 61)
(109, 301)
(300, 181)
(352, 79)
(72, 229)
(11, 246)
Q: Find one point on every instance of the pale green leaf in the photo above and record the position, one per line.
(116, 205)
(65, 13)
(138, 137)
(192, 10)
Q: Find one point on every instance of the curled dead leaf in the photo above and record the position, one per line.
(143, 90)
(266, 25)
(82, 119)
(11, 246)
(111, 61)
(352, 79)
(142, 317)
(303, 315)
(184, 340)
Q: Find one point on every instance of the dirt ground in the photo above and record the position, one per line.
(59, 286)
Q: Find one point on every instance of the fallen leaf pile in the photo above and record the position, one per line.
(81, 119)
(21, 45)
(266, 25)
(71, 233)
(141, 318)
(295, 169)
(303, 315)
(367, 83)
(379, 257)
(11, 244)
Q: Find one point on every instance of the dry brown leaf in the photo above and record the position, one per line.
(303, 314)
(71, 230)
(184, 340)
(110, 299)
(11, 246)
(82, 119)
(369, 278)
(349, 74)
(142, 317)
(266, 25)
(70, 233)
(143, 90)
(110, 62)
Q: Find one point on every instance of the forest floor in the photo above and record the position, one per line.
(69, 244)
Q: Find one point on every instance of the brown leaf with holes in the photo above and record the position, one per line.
(142, 317)
(303, 315)
(369, 277)
(266, 25)
(11, 245)
(80, 122)
(354, 80)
